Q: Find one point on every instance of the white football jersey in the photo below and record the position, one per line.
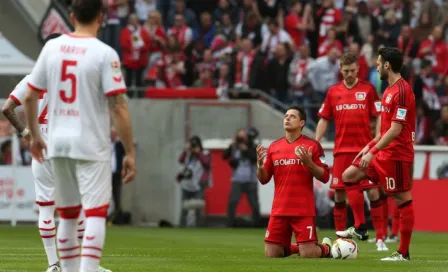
(18, 95)
(78, 73)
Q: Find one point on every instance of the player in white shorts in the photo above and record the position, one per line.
(44, 183)
(85, 89)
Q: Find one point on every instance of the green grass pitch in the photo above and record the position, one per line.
(232, 250)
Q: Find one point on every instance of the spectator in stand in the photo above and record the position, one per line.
(247, 7)
(222, 50)
(171, 66)
(189, 15)
(244, 65)
(226, 27)
(423, 127)
(328, 17)
(182, 31)
(424, 89)
(329, 43)
(375, 10)
(207, 62)
(252, 29)
(143, 8)
(442, 90)
(223, 82)
(205, 79)
(299, 83)
(224, 7)
(367, 50)
(409, 46)
(323, 73)
(441, 127)
(363, 67)
(435, 50)
(110, 33)
(135, 44)
(388, 34)
(206, 31)
(297, 25)
(278, 71)
(424, 27)
(275, 37)
(156, 33)
(272, 9)
(363, 24)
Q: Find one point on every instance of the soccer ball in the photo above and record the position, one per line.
(346, 249)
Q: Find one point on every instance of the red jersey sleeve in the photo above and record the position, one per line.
(375, 106)
(337, 16)
(268, 166)
(319, 160)
(325, 110)
(399, 107)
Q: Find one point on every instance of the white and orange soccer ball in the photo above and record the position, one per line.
(345, 249)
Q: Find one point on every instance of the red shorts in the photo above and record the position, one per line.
(280, 229)
(340, 164)
(394, 176)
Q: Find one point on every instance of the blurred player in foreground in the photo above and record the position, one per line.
(82, 76)
(388, 159)
(293, 161)
(352, 103)
(42, 172)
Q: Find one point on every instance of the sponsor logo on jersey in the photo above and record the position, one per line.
(360, 96)
(288, 162)
(401, 114)
(378, 105)
(335, 180)
(350, 107)
(322, 159)
(388, 98)
(385, 109)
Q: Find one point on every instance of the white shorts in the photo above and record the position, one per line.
(81, 182)
(43, 182)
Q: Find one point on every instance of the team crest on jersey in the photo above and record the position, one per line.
(360, 96)
(388, 98)
(335, 180)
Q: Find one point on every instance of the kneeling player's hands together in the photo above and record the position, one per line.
(261, 154)
(37, 147)
(128, 172)
(305, 156)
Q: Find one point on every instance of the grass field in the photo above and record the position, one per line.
(139, 249)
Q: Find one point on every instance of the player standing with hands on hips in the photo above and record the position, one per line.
(389, 158)
(293, 161)
(85, 89)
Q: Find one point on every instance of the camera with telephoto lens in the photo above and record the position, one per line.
(186, 174)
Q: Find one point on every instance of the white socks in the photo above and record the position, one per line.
(68, 245)
(92, 244)
(47, 230)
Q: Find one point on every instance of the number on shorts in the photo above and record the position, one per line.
(65, 75)
(390, 183)
(311, 231)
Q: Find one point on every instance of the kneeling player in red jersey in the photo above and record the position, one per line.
(389, 158)
(293, 161)
(352, 103)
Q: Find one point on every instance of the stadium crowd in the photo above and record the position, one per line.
(286, 48)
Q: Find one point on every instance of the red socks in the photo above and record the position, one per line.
(406, 226)
(376, 212)
(395, 221)
(340, 215)
(356, 199)
(293, 249)
(385, 216)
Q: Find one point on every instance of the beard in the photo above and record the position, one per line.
(383, 74)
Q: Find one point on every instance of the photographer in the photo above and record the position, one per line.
(242, 157)
(193, 178)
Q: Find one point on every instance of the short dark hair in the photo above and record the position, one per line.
(273, 22)
(302, 113)
(392, 55)
(51, 37)
(348, 58)
(86, 11)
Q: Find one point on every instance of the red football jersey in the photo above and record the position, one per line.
(351, 110)
(398, 105)
(293, 195)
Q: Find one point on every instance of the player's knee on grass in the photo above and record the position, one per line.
(340, 196)
(310, 251)
(273, 251)
(353, 175)
(402, 197)
(373, 194)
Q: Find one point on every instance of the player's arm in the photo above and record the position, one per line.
(378, 129)
(264, 170)
(10, 113)
(315, 161)
(325, 113)
(30, 105)
(321, 128)
(390, 135)
(118, 108)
